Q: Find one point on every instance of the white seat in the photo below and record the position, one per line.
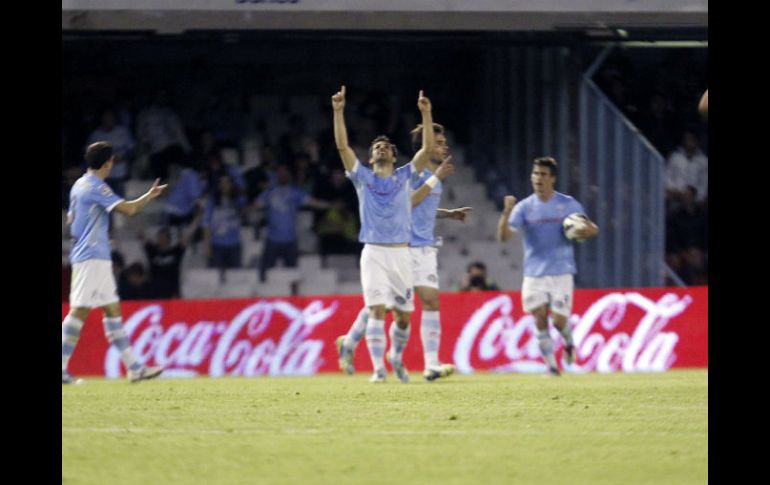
(241, 276)
(251, 251)
(275, 288)
(322, 281)
(200, 283)
(234, 290)
(308, 263)
(348, 288)
(283, 275)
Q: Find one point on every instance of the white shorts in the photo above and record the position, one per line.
(424, 266)
(386, 277)
(93, 284)
(554, 290)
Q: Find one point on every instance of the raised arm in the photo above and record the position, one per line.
(340, 131)
(443, 171)
(423, 154)
(459, 214)
(504, 232)
(133, 207)
(189, 232)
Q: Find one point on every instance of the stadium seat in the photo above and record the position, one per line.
(200, 283)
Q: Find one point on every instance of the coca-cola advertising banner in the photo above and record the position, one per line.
(629, 330)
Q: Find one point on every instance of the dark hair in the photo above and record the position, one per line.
(477, 264)
(136, 268)
(385, 139)
(549, 162)
(97, 154)
(417, 135)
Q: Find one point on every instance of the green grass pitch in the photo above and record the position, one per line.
(336, 429)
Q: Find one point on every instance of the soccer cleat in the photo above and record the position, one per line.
(66, 377)
(399, 369)
(378, 376)
(569, 354)
(144, 374)
(554, 371)
(346, 356)
(433, 373)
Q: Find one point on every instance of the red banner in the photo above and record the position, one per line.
(629, 330)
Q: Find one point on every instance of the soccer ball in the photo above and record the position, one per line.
(572, 223)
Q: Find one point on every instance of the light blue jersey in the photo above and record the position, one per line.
(91, 200)
(384, 204)
(282, 203)
(424, 215)
(546, 250)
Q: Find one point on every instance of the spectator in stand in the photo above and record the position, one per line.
(118, 265)
(162, 136)
(186, 197)
(207, 145)
(296, 140)
(337, 228)
(476, 278)
(686, 239)
(135, 283)
(687, 168)
(658, 124)
(282, 202)
(306, 173)
(222, 226)
(166, 259)
(216, 168)
(123, 146)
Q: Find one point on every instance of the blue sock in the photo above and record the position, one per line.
(357, 330)
(115, 334)
(70, 334)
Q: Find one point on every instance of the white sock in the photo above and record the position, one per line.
(70, 334)
(375, 342)
(398, 340)
(117, 337)
(430, 333)
(546, 347)
(357, 330)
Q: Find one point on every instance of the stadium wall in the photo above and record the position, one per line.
(615, 330)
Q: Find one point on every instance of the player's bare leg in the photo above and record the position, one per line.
(544, 338)
(430, 334)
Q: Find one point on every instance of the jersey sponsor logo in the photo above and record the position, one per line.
(409, 294)
(105, 190)
(432, 278)
(400, 300)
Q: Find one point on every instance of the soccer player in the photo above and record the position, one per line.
(93, 283)
(549, 259)
(423, 247)
(385, 209)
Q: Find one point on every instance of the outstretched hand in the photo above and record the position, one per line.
(423, 103)
(508, 202)
(446, 168)
(338, 100)
(460, 214)
(156, 189)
